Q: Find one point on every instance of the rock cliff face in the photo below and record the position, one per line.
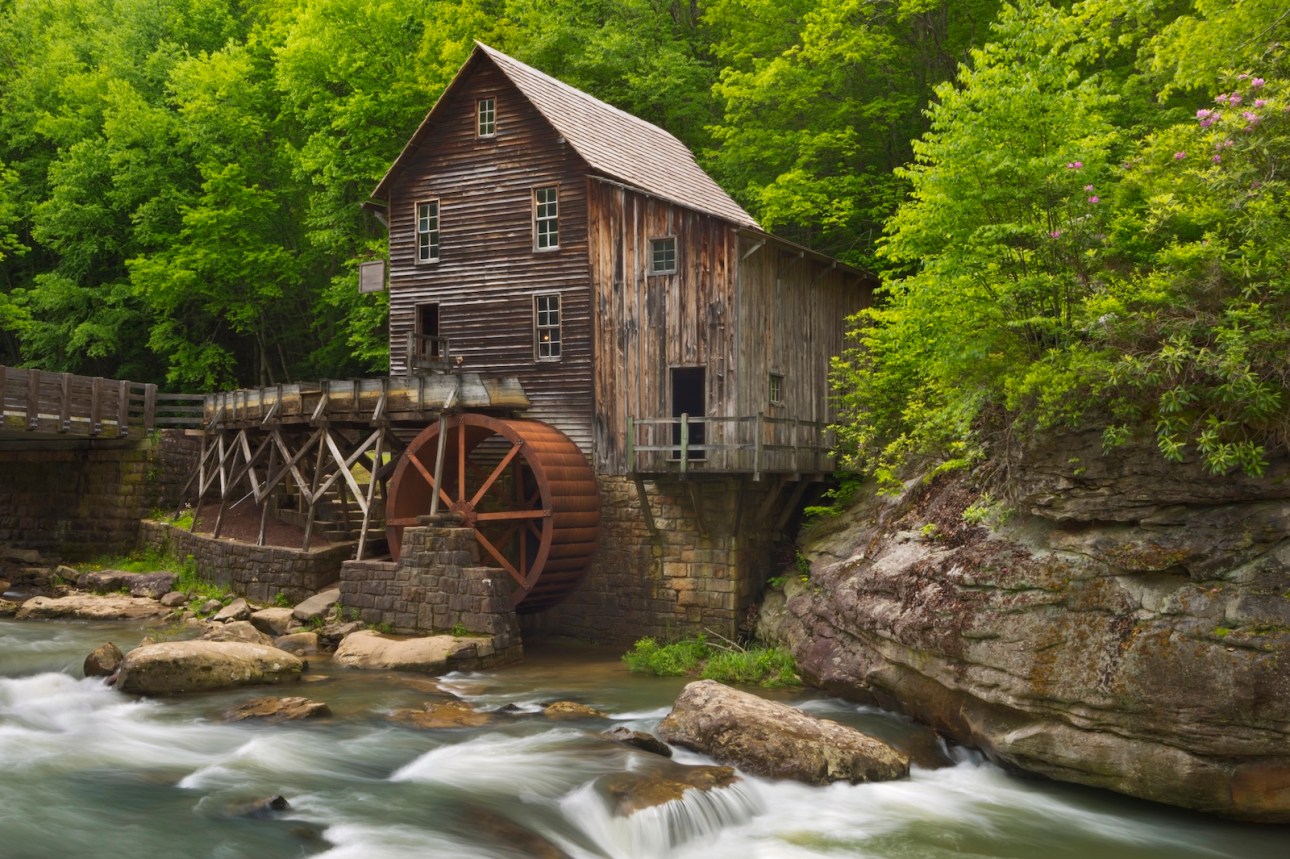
(1119, 622)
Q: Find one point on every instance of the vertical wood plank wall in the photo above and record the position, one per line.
(488, 271)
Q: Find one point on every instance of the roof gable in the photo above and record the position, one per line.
(612, 142)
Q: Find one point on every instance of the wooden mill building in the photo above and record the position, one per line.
(540, 234)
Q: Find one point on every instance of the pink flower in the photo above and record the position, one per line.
(1074, 165)
(1251, 117)
(1217, 159)
(1204, 113)
(1260, 102)
(1234, 98)
(1093, 199)
(1178, 156)
(1052, 234)
(1242, 76)
(1256, 83)
(1088, 187)
(1221, 98)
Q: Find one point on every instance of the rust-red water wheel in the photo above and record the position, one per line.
(525, 489)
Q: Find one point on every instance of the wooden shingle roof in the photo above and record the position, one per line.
(614, 143)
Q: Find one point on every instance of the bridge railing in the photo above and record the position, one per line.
(38, 401)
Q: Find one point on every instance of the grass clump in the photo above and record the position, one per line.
(726, 662)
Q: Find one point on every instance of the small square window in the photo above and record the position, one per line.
(546, 327)
(546, 218)
(776, 389)
(662, 255)
(486, 117)
(428, 231)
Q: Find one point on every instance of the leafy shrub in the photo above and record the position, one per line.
(763, 666)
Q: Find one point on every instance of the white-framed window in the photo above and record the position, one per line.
(546, 327)
(428, 231)
(486, 117)
(662, 255)
(546, 217)
(777, 389)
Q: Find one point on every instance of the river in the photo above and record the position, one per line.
(90, 772)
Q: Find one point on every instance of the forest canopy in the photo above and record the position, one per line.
(1069, 203)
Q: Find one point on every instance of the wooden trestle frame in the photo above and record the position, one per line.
(306, 439)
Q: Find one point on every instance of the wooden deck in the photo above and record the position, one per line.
(750, 444)
(36, 405)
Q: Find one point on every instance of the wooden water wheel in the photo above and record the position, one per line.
(525, 489)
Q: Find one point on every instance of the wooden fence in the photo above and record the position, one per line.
(40, 402)
(751, 444)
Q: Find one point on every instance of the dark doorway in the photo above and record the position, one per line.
(689, 398)
(427, 343)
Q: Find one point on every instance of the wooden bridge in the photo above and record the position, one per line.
(44, 408)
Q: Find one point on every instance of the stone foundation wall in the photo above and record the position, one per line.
(259, 573)
(438, 585)
(86, 501)
(703, 564)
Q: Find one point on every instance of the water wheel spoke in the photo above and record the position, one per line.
(404, 522)
(501, 559)
(461, 462)
(429, 478)
(531, 527)
(511, 515)
(496, 473)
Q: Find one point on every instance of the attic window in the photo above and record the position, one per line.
(546, 218)
(662, 255)
(428, 231)
(486, 116)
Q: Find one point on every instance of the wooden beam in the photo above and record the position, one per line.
(643, 497)
(795, 497)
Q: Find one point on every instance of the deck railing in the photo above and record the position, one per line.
(38, 401)
(749, 444)
(427, 352)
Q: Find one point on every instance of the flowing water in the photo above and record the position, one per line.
(86, 771)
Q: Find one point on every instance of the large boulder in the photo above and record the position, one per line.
(443, 714)
(774, 740)
(318, 606)
(155, 585)
(195, 666)
(273, 621)
(637, 790)
(238, 610)
(1149, 656)
(91, 607)
(237, 630)
(372, 650)
(103, 661)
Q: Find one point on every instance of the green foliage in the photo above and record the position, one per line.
(280, 600)
(459, 629)
(1081, 244)
(759, 666)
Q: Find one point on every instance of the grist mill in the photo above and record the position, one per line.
(608, 389)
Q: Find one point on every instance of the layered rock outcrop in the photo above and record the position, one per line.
(1119, 622)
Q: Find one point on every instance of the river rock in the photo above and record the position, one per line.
(300, 643)
(103, 661)
(318, 606)
(174, 599)
(443, 714)
(635, 791)
(774, 740)
(522, 840)
(637, 739)
(1108, 632)
(13, 555)
(273, 621)
(561, 710)
(153, 585)
(238, 609)
(238, 630)
(91, 607)
(7, 608)
(372, 650)
(210, 606)
(193, 666)
(272, 709)
(261, 809)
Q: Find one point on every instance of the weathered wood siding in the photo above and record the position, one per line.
(488, 271)
(646, 324)
(791, 315)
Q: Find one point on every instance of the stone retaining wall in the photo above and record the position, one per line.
(84, 501)
(438, 585)
(259, 573)
(704, 563)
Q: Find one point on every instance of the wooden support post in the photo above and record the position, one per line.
(371, 493)
(795, 497)
(123, 408)
(757, 444)
(33, 399)
(149, 407)
(643, 498)
(65, 402)
(313, 489)
(696, 502)
(769, 502)
(685, 444)
(264, 502)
